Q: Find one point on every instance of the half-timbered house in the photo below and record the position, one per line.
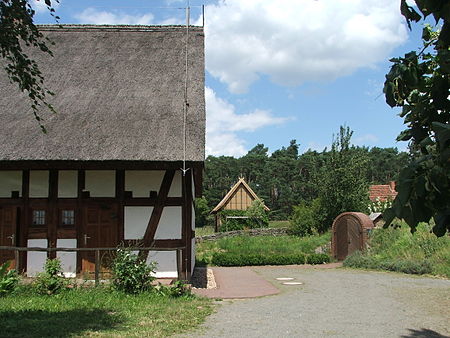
(130, 115)
(239, 197)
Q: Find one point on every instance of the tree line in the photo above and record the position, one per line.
(286, 178)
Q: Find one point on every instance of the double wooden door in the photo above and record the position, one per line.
(100, 225)
(8, 233)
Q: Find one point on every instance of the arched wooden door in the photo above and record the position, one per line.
(347, 236)
(341, 237)
(354, 234)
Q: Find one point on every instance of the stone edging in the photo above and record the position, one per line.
(250, 232)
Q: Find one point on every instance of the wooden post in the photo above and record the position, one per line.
(180, 271)
(97, 267)
(16, 257)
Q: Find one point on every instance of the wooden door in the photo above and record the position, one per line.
(341, 239)
(8, 233)
(354, 235)
(100, 231)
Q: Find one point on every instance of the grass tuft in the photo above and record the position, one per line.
(396, 249)
(99, 311)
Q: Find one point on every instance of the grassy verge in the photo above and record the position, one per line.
(396, 249)
(279, 224)
(98, 312)
(259, 246)
(204, 231)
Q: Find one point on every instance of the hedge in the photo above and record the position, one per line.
(229, 259)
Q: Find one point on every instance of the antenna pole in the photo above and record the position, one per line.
(186, 103)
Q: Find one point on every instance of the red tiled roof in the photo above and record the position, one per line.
(382, 192)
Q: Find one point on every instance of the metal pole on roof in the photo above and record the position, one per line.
(186, 103)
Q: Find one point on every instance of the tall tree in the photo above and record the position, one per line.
(342, 182)
(420, 84)
(17, 30)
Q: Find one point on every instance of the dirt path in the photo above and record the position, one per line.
(337, 303)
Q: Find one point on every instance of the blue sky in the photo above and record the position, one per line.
(278, 70)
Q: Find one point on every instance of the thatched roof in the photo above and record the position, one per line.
(240, 183)
(119, 96)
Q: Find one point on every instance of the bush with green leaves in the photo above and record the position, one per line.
(379, 205)
(255, 217)
(131, 274)
(51, 281)
(175, 290)
(306, 218)
(202, 213)
(9, 279)
(396, 249)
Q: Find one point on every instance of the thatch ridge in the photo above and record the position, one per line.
(119, 96)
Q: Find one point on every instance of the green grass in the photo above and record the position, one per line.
(398, 250)
(204, 231)
(263, 245)
(98, 312)
(279, 224)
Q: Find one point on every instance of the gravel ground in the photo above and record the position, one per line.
(337, 303)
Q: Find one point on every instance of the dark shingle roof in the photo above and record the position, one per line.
(119, 96)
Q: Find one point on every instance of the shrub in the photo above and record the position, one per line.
(236, 259)
(360, 260)
(305, 219)
(379, 206)
(177, 289)
(255, 217)
(51, 281)
(8, 279)
(130, 273)
(202, 215)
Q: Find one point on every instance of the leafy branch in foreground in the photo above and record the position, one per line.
(16, 30)
(420, 83)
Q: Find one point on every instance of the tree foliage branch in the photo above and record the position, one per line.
(419, 83)
(18, 33)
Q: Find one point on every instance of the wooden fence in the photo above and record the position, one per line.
(182, 275)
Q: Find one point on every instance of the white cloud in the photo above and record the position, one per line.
(40, 7)
(222, 123)
(366, 139)
(298, 40)
(93, 16)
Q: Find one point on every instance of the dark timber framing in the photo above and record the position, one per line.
(53, 205)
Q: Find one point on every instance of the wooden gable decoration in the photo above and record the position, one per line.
(240, 197)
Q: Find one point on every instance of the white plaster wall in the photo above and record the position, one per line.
(141, 182)
(136, 221)
(68, 184)
(68, 259)
(39, 183)
(175, 188)
(170, 224)
(10, 181)
(166, 263)
(101, 183)
(36, 259)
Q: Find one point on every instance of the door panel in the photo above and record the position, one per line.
(342, 239)
(100, 231)
(8, 233)
(354, 235)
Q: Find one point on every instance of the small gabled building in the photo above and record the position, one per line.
(239, 197)
(382, 192)
(108, 170)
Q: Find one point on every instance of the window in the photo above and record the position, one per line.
(38, 217)
(68, 217)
